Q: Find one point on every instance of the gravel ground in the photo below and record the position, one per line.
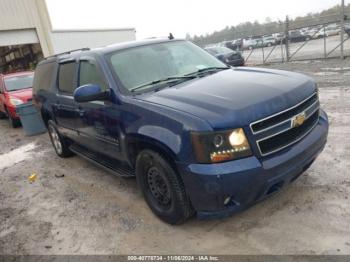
(89, 211)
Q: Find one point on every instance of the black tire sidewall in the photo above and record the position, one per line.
(177, 212)
(13, 122)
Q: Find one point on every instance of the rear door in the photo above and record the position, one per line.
(65, 108)
(97, 127)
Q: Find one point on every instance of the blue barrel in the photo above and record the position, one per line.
(30, 119)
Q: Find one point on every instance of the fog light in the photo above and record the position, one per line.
(227, 200)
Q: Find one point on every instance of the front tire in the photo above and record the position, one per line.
(2, 115)
(162, 188)
(12, 121)
(59, 142)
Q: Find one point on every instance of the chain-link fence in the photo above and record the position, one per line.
(301, 39)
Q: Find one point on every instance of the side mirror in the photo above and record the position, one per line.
(90, 92)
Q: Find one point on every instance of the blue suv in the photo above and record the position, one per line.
(200, 137)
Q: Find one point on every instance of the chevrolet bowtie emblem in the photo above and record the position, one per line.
(298, 120)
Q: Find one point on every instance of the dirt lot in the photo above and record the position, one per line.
(89, 211)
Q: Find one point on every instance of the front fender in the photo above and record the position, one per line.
(163, 136)
(162, 126)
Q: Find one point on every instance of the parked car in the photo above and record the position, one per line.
(296, 36)
(15, 89)
(279, 38)
(226, 55)
(200, 137)
(316, 33)
(332, 30)
(269, 41)
(250, 43)
(235, 45)
(347, 28)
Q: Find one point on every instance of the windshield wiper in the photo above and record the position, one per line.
(208, 69)
(168, 79)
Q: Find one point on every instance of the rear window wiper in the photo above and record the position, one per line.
(168, 79)
(208, 69)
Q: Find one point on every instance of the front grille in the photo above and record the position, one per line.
(280, 130)
(271, 121)
(282, 140)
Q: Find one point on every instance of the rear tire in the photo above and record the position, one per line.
(59, 142)
(162, 188)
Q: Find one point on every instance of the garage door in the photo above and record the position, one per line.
(18, 37)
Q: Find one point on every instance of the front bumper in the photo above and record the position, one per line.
(236, 62)
(250, 180)
(12, 112)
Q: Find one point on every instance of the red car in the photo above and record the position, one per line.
(15, 89)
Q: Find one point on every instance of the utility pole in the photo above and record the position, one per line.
(286, 37)
(342, 12)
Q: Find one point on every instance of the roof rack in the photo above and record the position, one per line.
(68, 52)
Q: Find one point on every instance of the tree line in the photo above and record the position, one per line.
(248, 29)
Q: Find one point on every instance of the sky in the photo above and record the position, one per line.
(156, 18)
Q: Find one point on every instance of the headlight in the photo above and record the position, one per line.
(215, 147)
(16, 101)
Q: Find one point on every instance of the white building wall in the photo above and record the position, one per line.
(27, 14)
(65, 40)
(17, 14)
(33, 16)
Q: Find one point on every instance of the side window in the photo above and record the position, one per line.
(89, 74)
(66, 77)
(45, 75)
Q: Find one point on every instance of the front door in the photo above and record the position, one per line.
(94, 128)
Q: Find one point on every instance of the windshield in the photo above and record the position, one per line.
(18, 82)
(144, 64)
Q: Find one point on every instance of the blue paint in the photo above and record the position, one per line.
(228, 99)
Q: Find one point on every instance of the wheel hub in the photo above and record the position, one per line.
(158, 186)
(56, 140)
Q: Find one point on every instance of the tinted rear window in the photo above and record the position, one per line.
(44, 76)
(66, 77)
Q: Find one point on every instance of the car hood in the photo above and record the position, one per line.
(24, 94)
(236, 97)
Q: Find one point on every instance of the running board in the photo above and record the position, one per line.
(109, 164)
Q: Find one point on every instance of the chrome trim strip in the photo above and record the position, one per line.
(263, 119)
(289, 119)
(65, 96)
(298, 139)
